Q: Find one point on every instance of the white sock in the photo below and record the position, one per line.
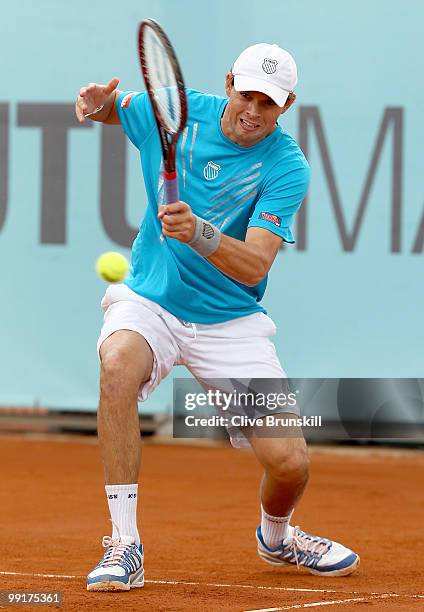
(275, 529)
(122, 501)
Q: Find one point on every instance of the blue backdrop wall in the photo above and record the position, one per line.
(347, 299)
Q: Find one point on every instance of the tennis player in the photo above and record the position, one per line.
(193, 297)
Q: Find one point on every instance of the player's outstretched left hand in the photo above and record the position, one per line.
(93, 97)
(177, 221)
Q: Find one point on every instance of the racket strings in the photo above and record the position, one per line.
(162, 81)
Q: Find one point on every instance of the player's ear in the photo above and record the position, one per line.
(290, 100)
(229, 82)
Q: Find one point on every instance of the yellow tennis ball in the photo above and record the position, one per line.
(112, 267)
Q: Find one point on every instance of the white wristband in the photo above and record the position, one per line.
(206, 237)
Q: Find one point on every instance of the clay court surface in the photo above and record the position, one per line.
(199, 510)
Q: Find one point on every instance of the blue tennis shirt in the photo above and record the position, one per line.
(231, 186)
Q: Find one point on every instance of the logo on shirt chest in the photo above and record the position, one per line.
(211, 170)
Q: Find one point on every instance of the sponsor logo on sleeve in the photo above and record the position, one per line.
(265, 216)
(125, 102)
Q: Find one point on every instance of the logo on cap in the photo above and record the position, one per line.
(269, 65)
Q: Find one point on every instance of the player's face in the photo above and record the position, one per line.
(250, 116)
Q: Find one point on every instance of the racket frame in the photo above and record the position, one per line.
(168, 137)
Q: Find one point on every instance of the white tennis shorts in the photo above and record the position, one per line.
(240, 348)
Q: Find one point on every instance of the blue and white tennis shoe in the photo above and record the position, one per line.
(317, 555)
(121, 568)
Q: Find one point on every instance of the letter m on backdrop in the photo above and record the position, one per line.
(392, 122)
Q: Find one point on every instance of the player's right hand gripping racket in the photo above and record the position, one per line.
(165, 86)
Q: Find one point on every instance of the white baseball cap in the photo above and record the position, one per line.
(268, 69)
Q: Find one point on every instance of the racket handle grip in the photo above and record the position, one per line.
(171, 187)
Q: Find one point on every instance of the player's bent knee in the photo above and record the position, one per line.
(112, 369)
(117, 374)
(122, 370)
(127, 355)
(290, 466)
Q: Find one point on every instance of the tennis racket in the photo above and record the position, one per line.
(165, 86)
